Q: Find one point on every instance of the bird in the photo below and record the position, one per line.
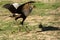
(12, 8)
(20, 11)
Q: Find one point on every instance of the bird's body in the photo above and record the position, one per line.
(22, 10)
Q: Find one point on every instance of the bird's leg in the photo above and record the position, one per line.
(23, 20)
(16, 20)
(25, 27)
(17, 16)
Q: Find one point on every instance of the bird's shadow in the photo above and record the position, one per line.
(48, 28)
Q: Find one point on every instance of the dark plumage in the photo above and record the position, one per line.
(22, 11)
(11, 8)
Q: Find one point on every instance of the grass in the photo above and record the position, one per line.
(5, 2)
(12, 30)
(43, 8)
(47, 5)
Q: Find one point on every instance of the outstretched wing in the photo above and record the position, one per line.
(16, 5)
(10, 7)
(25, 8)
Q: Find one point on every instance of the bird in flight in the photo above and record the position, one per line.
(20, 11)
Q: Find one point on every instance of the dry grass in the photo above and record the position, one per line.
(42, 14)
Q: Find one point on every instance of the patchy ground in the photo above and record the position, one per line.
(43, 25)
(35, 34)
